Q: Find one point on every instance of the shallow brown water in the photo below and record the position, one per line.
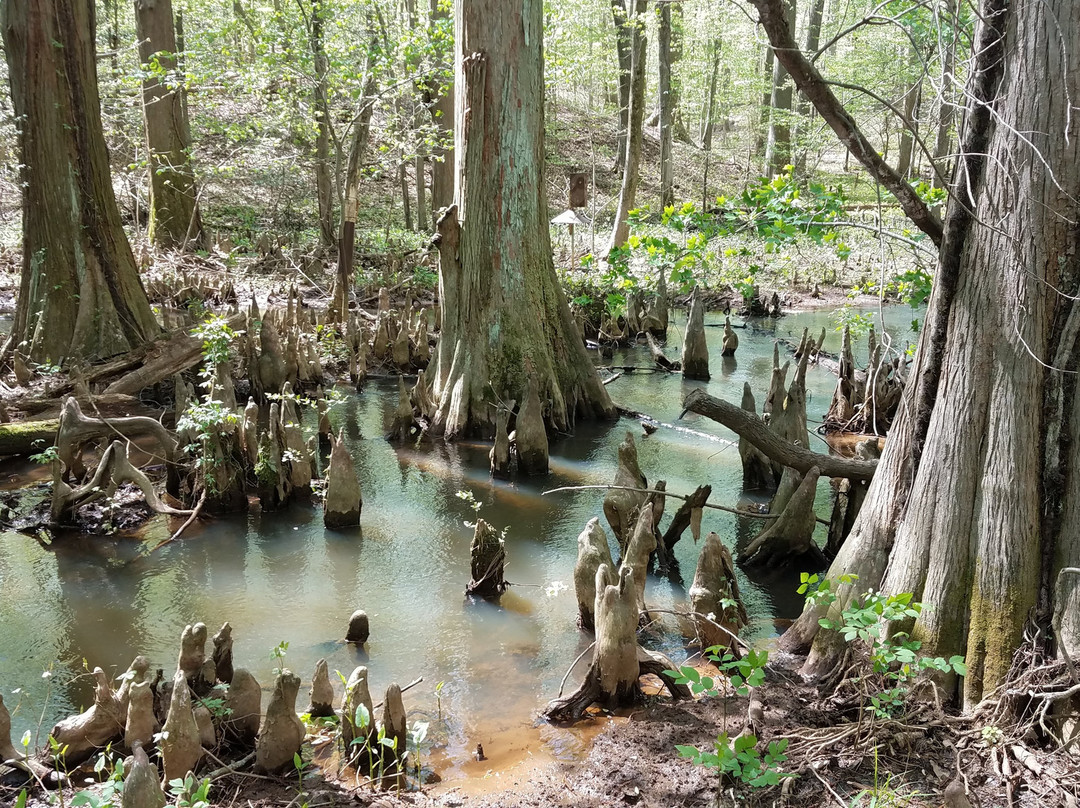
(99, 601)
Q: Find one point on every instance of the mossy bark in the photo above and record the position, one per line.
(979, 482)
(80, 294)
(501, 300)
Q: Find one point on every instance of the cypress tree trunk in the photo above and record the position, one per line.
(635, 133)
(174, 210)
(667, 190)
(324, 184)
(442, 112)
(80, 294)
(502, 306)
(620, 14)
(778, 147)
(976, 502)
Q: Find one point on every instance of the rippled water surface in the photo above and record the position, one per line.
(282, 577)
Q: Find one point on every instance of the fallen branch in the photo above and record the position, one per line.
(661, 493)
(776, 448)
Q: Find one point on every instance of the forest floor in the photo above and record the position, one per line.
(838, 760)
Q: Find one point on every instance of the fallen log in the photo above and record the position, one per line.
(161, 360)
(749, 426)
(28, 437)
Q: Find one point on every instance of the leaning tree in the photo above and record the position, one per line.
(80, 294)
(502, 306)
(975, 506)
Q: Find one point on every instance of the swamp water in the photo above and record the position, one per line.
(283, 577)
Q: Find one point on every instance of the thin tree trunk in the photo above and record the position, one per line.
(403, 186)
(667, 98)
(624, 38)
(762, 133)
(324, 183)
(174, 210)
(80, 294)
(442, 112)
(632, 165)
(778, 147)
(707, 120)
(502, 306)
(947, 99)
(909, 124)
(803, 108)
(347, 236)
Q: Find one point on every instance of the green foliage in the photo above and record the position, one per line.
(857, 322)
(893, 654)
(190, 792)
(111, 767)
(740, 760)
(46, 456)
(277, 653)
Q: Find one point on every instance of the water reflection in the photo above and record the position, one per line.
(283, 576)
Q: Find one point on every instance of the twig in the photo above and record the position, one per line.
(409, 686)
(828, 788)
(573, 665)
(183, 527)
(666, 494)
(704, 617)
(232, 767)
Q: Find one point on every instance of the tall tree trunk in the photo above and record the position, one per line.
(624, 38)
(502, 306)
(635, 133)
(174, 209)
(803, 107)
(441, 103)
(324, 183)
(351, 197)
(709, 111)
(947, 99)
(778, 147)
(762, 133)
(667, 190)
(80, 294)
(909, 124)
(976, 502)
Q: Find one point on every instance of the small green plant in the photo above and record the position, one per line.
(894, 656)
(418, 734)
(277, 653)
(438, 698)
(208, 418)
(190, 792)
(300, 764)
(110, 792)
(736, 759)
(740, 760)
(46, 456)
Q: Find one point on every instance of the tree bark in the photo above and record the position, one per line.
(501, 300)
(351, 202)
(809, 81)
(667, 98)
(635, 124)
(174, 209)
(620, 14)
(324, 185)
(442, 112)
(80, 294)
(979, 487)
(778, 147)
